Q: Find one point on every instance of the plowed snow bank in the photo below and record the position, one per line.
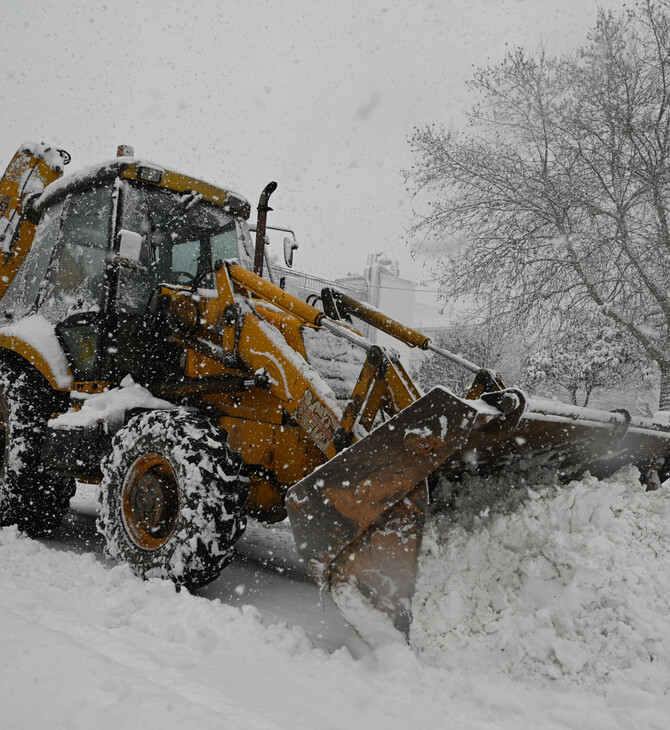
(573, 585)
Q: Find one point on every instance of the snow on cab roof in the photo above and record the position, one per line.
(131, 168)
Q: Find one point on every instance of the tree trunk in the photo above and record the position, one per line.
(664, 404)
(573, 396)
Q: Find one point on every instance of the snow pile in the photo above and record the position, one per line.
(85, 644)
(109, 406)
(570, 586)
(109, 648)
(40, 334)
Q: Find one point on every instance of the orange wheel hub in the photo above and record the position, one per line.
(150, 501)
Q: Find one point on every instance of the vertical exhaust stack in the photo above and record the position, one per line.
(263, 210)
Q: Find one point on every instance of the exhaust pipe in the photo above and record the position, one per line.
(263, 210)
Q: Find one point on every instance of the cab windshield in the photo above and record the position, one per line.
(183, 235)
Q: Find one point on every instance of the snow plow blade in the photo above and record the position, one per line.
(358, 519)
(569, 438)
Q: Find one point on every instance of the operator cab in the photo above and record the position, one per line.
(182, 235)
(76, 276)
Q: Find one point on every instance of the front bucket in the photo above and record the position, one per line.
(358, 519)
(569, 438)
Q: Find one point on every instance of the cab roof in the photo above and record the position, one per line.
(147, 173)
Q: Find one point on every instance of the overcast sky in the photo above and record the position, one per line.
(319, 96)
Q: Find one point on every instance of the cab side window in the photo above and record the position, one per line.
(21, 296)
(76, 277)
(225, 245)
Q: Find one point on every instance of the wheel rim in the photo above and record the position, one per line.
(150, 501)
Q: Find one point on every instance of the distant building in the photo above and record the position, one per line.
(381, 286)
(386, 291)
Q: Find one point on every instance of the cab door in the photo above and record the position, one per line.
(75, 288)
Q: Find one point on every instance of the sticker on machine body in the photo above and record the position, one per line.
(316, 419)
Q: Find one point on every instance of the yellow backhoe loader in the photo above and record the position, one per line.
(144, 344)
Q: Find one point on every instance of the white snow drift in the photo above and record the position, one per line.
(547, 613)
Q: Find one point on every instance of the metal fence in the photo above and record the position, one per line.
(314, 284)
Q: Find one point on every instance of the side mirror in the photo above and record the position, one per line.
(290, 246)
(129, 245)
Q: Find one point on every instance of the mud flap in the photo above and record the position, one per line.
(358, 520)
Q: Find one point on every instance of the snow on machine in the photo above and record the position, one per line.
(142, 347)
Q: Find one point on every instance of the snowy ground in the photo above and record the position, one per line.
(553, 614)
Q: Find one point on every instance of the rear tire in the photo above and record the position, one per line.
(30, 497)
(171, 498)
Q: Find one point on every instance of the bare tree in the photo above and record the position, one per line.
(590, 352)
(560, 184)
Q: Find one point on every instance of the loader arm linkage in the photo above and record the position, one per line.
(382, 386)
(358, 519)
(357, 511)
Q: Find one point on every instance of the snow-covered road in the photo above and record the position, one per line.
(84, 643)
(266, 573)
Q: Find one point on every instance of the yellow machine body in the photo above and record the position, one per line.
(351, 476)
